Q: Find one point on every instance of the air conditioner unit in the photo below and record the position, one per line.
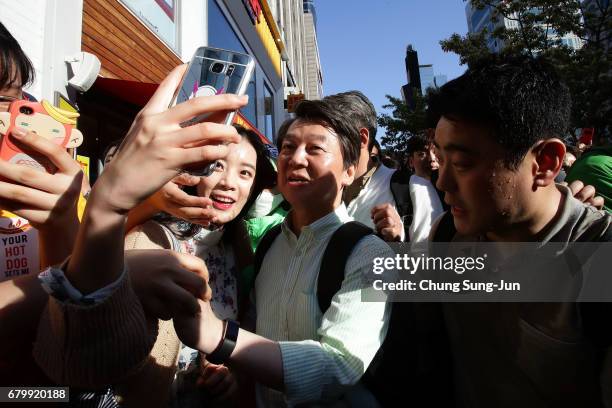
(85, 67)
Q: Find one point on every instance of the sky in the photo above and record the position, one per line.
(362, 44)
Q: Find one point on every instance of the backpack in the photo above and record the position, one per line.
(398, 368)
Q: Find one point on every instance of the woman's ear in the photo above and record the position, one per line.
(547, 161)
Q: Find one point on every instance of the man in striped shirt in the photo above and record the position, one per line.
(301, 354)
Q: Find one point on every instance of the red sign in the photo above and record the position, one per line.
(254, 9)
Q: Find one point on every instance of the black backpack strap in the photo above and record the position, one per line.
(263, 247)
(400, 188)
(337, 252)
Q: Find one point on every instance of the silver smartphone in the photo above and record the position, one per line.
(214, 71)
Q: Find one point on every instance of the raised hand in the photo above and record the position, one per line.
(47, 201)
(156, 147)
(173, 200)
(168, 283)
(154, 151)
(219, 382)
(388, 222)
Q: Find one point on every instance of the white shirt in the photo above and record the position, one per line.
(377, 191)
(426, 209)
(322, 354)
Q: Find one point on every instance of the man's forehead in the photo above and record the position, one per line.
(461, 136)
(313, 131)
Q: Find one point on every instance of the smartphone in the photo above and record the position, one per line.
(44, 119)
(214, 71)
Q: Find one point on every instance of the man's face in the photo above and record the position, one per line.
(484, 195)
(311, 174)
(423, 162)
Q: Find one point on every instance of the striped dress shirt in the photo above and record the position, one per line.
(323, 354)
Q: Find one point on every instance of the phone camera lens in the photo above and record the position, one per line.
(217, 67)
(230, 70)
(26, 110)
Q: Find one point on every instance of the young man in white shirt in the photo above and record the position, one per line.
(426, 203)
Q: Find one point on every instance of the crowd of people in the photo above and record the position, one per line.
(246, 287)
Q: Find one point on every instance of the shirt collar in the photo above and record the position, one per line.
(320, 227)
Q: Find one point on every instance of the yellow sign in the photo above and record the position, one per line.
(64, 103)
(84, 162)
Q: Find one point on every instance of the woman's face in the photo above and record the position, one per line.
(230, 185)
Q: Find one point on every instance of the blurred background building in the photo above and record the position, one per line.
(139, 41)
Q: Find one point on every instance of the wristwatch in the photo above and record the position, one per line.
(227, 344)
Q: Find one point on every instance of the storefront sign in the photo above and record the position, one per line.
(293, 100)
(18, 247)
(158, 15)
(254, 9)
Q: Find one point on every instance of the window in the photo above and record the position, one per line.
(268, 112)
(222, 35)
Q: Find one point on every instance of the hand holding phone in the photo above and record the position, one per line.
(214, 71)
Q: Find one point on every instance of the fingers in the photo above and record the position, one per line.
(35, 216)
(204, 104)
(58, 155)
(384, 223)
(585, 194)
(179, 198)
(198, 279)
(575, 186)
(217, 379)
(200, 155)
(26, 196)
(206, 133)
(186, 179)
(165, 91)
(597, 202)
(194, 214)
(384, 211)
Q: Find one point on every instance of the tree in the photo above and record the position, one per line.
(537, 28)
(402, 124)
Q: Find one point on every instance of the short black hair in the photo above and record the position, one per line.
(15, 67)
(326, 114)
(520, 98)
(356, 106)
(419, 142)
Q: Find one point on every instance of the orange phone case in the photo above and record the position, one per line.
(45, 120)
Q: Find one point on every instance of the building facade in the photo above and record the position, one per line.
(313, 81)
(427, 77)
(593, 12)
(139, 41)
